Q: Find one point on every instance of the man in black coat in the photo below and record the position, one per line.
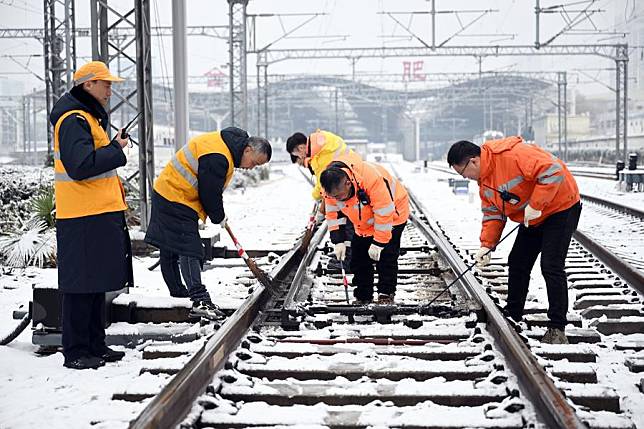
(94, 253)
(190, 188)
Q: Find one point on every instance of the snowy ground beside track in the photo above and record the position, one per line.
(35, 390)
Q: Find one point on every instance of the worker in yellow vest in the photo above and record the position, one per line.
(94, 252)
(190, 188)
(316, 152)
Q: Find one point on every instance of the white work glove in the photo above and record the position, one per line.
(483, 256)
(340, 250)
(530, 214)
(224, 222)
(319, 217)
(374, 251)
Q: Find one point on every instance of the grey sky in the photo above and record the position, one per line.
(359, 20)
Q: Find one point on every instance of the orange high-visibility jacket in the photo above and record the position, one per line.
(388, 201)
(536, 176)
(323, 147)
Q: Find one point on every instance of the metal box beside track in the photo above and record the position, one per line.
(47, 314)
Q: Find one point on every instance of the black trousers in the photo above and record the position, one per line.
(191, 271)
(387, 266)
(551, 239)
(83, 324)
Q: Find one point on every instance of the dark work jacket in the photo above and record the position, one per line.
(94, 252)
(174, 226)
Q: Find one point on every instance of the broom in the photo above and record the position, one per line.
(260, 275)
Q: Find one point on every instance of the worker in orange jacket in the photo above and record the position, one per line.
(316, 152)
(378, 206)
(530, 186)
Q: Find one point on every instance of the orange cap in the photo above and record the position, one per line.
(94, 70)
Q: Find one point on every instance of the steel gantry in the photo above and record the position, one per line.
(134, 48)
(59, 46)
(616, 52)
(237, 63)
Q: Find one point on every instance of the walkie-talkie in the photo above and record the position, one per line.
(506, 195)
(124, 133)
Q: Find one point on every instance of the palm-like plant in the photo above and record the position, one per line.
(34, 243)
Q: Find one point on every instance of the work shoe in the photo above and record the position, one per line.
(109, 355)
(206, 309)
(554, 336)
(84, 362)
(385, 298)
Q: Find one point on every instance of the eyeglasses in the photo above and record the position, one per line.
(465, 167)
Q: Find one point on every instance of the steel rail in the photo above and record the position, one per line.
(615, 206)
(550, 403)
(632, 276)
(176, 399)
(595, 175)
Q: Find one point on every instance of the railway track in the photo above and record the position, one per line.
(615, 233)
(305, 357)
(611, 231)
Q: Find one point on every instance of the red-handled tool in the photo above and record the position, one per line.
(308, 234)
(345, 282)
(257, 272)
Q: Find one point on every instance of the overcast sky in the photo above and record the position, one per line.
(357, 23)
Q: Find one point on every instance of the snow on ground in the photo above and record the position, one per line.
(37, 389)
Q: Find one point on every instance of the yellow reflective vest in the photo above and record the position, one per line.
(325, 147)
(98, 194)
(178, 182)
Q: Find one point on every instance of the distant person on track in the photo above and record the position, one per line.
(530, 186)
(94, 252)
(316, 152)
(190, 188)
(378, 206)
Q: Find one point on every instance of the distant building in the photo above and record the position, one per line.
(546, 130)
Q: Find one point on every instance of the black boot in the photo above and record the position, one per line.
(109, 355)
(84, 362)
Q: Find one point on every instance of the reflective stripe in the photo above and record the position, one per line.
(332, 208)
(356, 206)
(337, 222)
(384, 211)
(341, 204)
(194, 164)
(188, 176)
(511, 183)
(57, 156)
(490, 209)
(64, 177)
(551, 179)
(487, 193)
(549, 172)
(383, 226)
(492, 217)
(370, 221)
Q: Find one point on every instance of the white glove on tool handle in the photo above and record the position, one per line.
(374, 251)
(223, 222)
(530, 214)
(483, 256)
(340, 250)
